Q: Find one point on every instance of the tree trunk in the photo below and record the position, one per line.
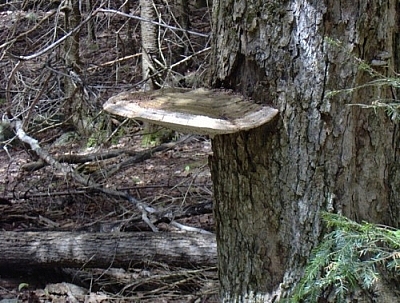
(271, 183)
(63, 249)
(182, 13)
(149, 41)
(149, 52)
(76, 108)
(91, 26)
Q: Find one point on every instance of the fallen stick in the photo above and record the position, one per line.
(65, 249)
(67, 170)
(145, 209)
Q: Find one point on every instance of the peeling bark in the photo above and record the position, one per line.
(271, 183)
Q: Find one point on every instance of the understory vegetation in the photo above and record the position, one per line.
(352, 257)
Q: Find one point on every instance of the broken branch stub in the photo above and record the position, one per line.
(200, 111)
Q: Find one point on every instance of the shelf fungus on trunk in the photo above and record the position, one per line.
(200, 111)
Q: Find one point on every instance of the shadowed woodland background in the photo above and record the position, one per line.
(56, 88)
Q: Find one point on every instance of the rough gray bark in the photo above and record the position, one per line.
(71, 47)
(149, 40)
(271, 183)
(76, 108)
(149, 50)
(63, 249)
(182, 13)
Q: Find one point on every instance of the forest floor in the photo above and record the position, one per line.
(47, 199)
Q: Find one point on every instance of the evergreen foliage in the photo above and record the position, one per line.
(349, 258)
(379, 80)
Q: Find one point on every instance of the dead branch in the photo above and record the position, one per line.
(115, 12)
(41, 21)
(68, 171)
(21, 249)
(136, 157)
(40, 221)
(56, 43)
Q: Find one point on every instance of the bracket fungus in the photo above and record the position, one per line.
(200, 111)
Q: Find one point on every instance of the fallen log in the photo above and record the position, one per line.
(103, 250)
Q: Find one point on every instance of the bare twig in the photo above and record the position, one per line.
(32, 29)
(189, 228)
(67, 170)
(59, 41)
(112, 11)
(145, 209)
(8, 86)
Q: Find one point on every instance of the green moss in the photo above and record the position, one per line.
(158, 137)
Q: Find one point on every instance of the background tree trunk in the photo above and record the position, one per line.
(149, 41)
(77, 108)
(271, 183)
(182, 13)
(91, 26)
(64, 249)
(71, 46)
(149, 51)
